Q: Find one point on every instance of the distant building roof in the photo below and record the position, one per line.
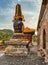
(26, 30)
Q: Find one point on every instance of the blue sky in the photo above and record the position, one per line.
(30, 10)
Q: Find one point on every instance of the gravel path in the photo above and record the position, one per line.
(32, 59)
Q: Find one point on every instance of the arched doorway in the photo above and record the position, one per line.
(44, 39)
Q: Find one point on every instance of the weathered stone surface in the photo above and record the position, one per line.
(43, 32)
(32, 59)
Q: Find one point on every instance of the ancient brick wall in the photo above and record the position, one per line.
(43, 26)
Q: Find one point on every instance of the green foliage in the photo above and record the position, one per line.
(6, 34)
(34, 38)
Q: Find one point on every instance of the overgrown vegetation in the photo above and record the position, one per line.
(6, 34)
(35, 38)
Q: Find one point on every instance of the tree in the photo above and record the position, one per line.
(6, 34)
(34, 38)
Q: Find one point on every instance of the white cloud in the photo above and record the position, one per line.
(5, 25)
(9, 13)
(32, 22)
(34, 1)
(19, 0)
(28, 12)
